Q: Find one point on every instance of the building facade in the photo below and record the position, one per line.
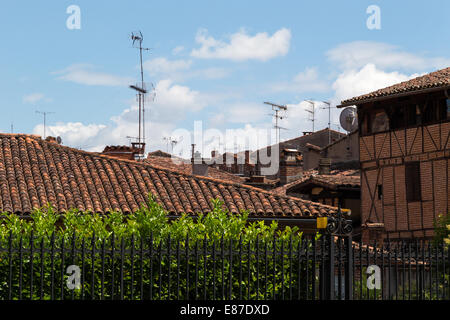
(404, 153)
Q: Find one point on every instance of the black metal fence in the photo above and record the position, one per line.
(145, 268)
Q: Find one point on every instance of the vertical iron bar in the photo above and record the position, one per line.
(52, 265)
(187, 266)
(205, 252)
(331, 283)
(132, 267)
(349, 268)
(82, 268)
(178, 269)
(274, 250)
(196, 269)
(102, 280)
(62, 267)
(240, 267)
(313, 269)
(113, 247)
(122, 258)
(141, 268)
(31, 263)
(41, 295)
(20, 266)
(160, 268)
(231, 268)
(169, 245)
(150, 252)
(248, 270)
(10, 266)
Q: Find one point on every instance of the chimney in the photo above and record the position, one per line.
(121, 152)
(324, 166)
(51, 139)
(247, 156)
(291, 167)
(199, 167)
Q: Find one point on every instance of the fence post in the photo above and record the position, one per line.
(328, 274)
(348, 268)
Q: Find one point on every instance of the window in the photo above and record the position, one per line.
(398, 118)
(380, 122)
(412, 180)
(448, 109)
(380, 191)
(414, 115)
(430, 114)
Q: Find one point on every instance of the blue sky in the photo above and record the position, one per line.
(214, 61)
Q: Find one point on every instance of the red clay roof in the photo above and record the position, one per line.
(437, 79)
(185, 166)
(34, 172)
(336, 179)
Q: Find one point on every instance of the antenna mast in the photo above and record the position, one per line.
(141, 91)
(277, 108)
(312, 112)
(44, 113)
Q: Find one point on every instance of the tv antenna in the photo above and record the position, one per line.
(277, 108)
(137, 39)
(44, 113)
(172, 142)
(312, 111)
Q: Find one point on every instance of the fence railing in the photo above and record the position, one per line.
(262, 269)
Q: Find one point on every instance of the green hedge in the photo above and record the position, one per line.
(146, 255)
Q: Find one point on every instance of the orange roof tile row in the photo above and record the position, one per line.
(34, 172)
(437, 79)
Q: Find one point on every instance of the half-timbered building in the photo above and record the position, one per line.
(404, 154)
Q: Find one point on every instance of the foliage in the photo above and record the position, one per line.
(442, 229)
(145, 253)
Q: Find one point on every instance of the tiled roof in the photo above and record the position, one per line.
(159, 153)
(349, 178)
(437, 79)
(301, 141)
(185, 166)
(34, 172)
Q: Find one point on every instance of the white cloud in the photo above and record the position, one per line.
(84, 74)
(73, 133)
(369, 78)
(172, 103)
(179, 70)
(354, 55)
(242, 46)
(33, 97)
(177, 50)
(162, 66)
(305, 81)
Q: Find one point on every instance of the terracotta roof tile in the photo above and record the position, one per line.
(349, 178)
(34, 172)
(185, 166)
(437, 79)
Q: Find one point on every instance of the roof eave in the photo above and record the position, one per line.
(347, 103)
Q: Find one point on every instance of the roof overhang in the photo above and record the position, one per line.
(347, 103)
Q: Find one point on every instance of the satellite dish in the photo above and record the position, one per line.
(58, 139)
(349, 119)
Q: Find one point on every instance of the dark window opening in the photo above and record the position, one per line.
(412, 180)
(398, 118)
(414, 115)
(430, 113)
(448, 108)
(380, 191)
